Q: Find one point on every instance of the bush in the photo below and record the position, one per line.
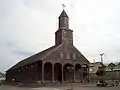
(100, 72)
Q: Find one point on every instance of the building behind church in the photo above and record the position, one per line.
(109, 74)
(113, 74)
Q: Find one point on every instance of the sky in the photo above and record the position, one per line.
(28, 27)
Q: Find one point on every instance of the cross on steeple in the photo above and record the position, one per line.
(63, 6)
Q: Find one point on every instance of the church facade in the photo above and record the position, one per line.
(62, 62)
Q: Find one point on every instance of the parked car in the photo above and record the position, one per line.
(116, 82)
(107, 83)
(0, 82)
(110, 83)
(101, 83)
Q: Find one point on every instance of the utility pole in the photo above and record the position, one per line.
(101, 57)
(93, 60)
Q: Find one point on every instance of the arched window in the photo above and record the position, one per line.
(26, 67)
(61, 55)
(74, 56)
(32, 66)
(68, 56)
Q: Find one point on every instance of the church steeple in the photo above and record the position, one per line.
(63, 20)
(63, 14)
(63, 34)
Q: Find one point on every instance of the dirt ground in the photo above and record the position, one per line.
(63, 87)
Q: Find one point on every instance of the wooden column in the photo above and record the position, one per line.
(62, 75)
(53, 72)
(88, 74)
(42, 79)
(81, 74)
(74, 74)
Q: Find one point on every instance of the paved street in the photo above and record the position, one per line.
(75, 87)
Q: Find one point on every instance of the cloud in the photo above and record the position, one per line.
(28, 26)
(22, 53)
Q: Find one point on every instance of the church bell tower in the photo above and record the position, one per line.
(63, 34)
(63, 20)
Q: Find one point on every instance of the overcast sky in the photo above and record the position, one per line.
(28, 27)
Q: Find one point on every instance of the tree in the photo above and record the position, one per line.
(100, 72)
(118, 65)
(111, 66)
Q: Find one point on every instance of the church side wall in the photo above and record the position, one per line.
(29, 73)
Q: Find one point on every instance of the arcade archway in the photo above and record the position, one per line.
(48, 71)
(68, 72)
(78, 72)
(57, 72)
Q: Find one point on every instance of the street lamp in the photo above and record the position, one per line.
(101, 57)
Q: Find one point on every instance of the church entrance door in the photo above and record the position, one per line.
(58, 72)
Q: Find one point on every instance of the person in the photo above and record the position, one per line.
(0, 82)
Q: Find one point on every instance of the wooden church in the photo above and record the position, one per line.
(62, 62)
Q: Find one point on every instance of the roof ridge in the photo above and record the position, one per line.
(35, 56)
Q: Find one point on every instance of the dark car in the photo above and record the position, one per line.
(116, 82)
(101, 83)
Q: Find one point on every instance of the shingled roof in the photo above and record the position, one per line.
(63, 14)
(33, 58)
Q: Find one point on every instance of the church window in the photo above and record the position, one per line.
(61, 55)
(26, 67)
(68, 56)
(68, 67)
(70, 40)
(13, 79)
(74, 56)
(21, 69)
(64, 32)
(31, 66)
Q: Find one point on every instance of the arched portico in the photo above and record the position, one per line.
(48, 71)
(68, 72)
(78, 72)
(57, 72)
(85, 72)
